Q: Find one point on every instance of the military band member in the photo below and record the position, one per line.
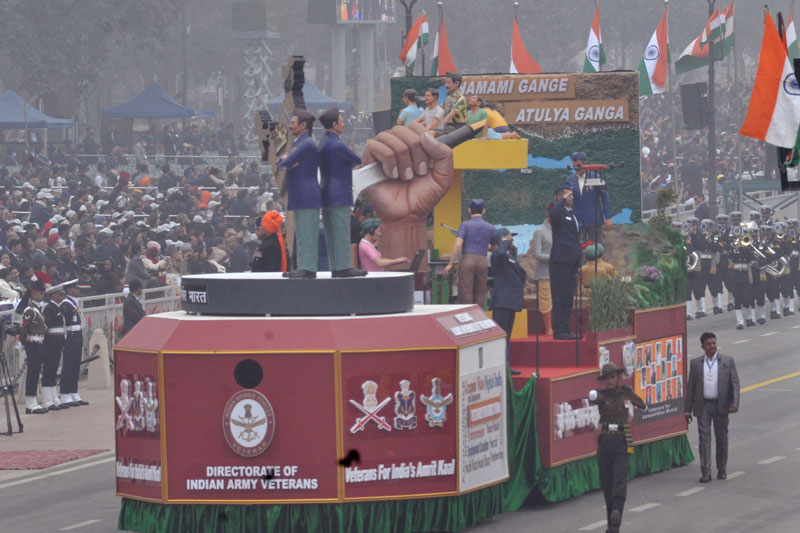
(734, 225)
(73, 346)
(708, 266)
(719, 242)
(614, 442)
(32, 337)
(767, 215)
(792, 233)
(757, 277)
(772, 282)
(740, 285)
(695, 278)
(52, 348)
(784, 247)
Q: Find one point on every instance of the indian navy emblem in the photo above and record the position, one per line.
(405, 409)
(370, 408)
(125, 403)
(436, 404)
(248, 423)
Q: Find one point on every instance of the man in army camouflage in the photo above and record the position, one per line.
(455, 106)
(615, 441)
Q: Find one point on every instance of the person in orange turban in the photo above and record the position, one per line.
(205, 197)
(271, 254)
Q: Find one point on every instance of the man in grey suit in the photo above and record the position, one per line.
(712, 393)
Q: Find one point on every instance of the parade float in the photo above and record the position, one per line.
(254, 409)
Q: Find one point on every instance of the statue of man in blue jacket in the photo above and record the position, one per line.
(336, 162)
(593, 213)
(305, 198)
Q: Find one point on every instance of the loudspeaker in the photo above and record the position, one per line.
(694, 103)
(249, 15)
(382, 120)
(321, 12)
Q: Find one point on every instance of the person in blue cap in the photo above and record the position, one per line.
(509, 284)
(565, 258)
(594, 214)
(472, 245)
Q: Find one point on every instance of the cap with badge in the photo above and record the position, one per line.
(563, 186)
(477, 204)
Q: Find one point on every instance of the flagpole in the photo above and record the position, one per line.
(599, 34)
(712, 127)
(736, 99)
(675, 176)
(422, 44)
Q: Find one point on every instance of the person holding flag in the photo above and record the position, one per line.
(654, 66)
(595, 53)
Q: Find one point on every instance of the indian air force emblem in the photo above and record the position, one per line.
(436, 404)
(248, 423)
(370, 408)
(405, 410)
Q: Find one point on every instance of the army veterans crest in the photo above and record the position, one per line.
(248, 423)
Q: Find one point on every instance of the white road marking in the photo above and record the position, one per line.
(644, 507)
(80, 524)
(56, 473)
(596, 525)
(772, 460)
(769, 334)
(690, 491)
(795, 327)
(741, 341)
(734, 475)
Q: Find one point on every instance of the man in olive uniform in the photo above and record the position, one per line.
(615, 441)
(52, 347)
(32, 337)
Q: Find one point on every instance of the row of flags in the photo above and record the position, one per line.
(653, 68)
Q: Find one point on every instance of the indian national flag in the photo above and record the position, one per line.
(521, 60)
(442, 60)
(655, 63)
(595, 54)
(774, 111)
(409, 53)
(425, 32)
(718, 30)
(791, 38)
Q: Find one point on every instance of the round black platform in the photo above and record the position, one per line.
(270, 294)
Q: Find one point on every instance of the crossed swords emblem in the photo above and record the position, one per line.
(370, 414)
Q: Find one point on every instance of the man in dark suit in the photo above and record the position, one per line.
(509, 284)
(712, 393)
(132, 310)
(564, 260)
(591, 202)
(701, 210)
(336, 162)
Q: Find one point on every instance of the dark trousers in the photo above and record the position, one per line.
(698, 284)
(759, 287)
(71, 367)
(562, 289)
(742, 289)
(505, 319)
(612, 462)
(711, 415)
(51, 358)
(786, 285)
(772, 288)
(34, 353)
(588, 234)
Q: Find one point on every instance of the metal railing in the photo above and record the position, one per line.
(103, 312)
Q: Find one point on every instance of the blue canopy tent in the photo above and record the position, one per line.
(154, 103)
(13, 111)
(315, 99)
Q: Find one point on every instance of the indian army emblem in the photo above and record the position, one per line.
(436, 404)
(405, 409)
(248, 423)
(370, 408)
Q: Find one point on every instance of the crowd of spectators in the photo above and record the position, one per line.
(691, 146)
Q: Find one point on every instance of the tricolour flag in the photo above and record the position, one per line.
(791, 38)
(521, 60)
(655, 63)
(425, 32)
(409, 53)
(718, 30)
(774, 111)
(595, 54)
(442, 60)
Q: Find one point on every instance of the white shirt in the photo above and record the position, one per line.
(581, 181)
(710, 378)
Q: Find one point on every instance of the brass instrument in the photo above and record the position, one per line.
(775, 268)
(692, 261)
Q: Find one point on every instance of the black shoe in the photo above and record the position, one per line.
(774, 315)
(739, 326)
(516, 372)
(706, 478)
(63, 405)
(718, 311)
(698, 314)
(762, 321)
(37, 411)
(53, 407)
(565, 336)
(615, 518)
(348, 273)
(730, 307)
(749, 323)
(77, 403)
(689, 317)
(722, 475)
(786, 311)
(301, 274)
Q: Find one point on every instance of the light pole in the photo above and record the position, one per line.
(712, 130)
